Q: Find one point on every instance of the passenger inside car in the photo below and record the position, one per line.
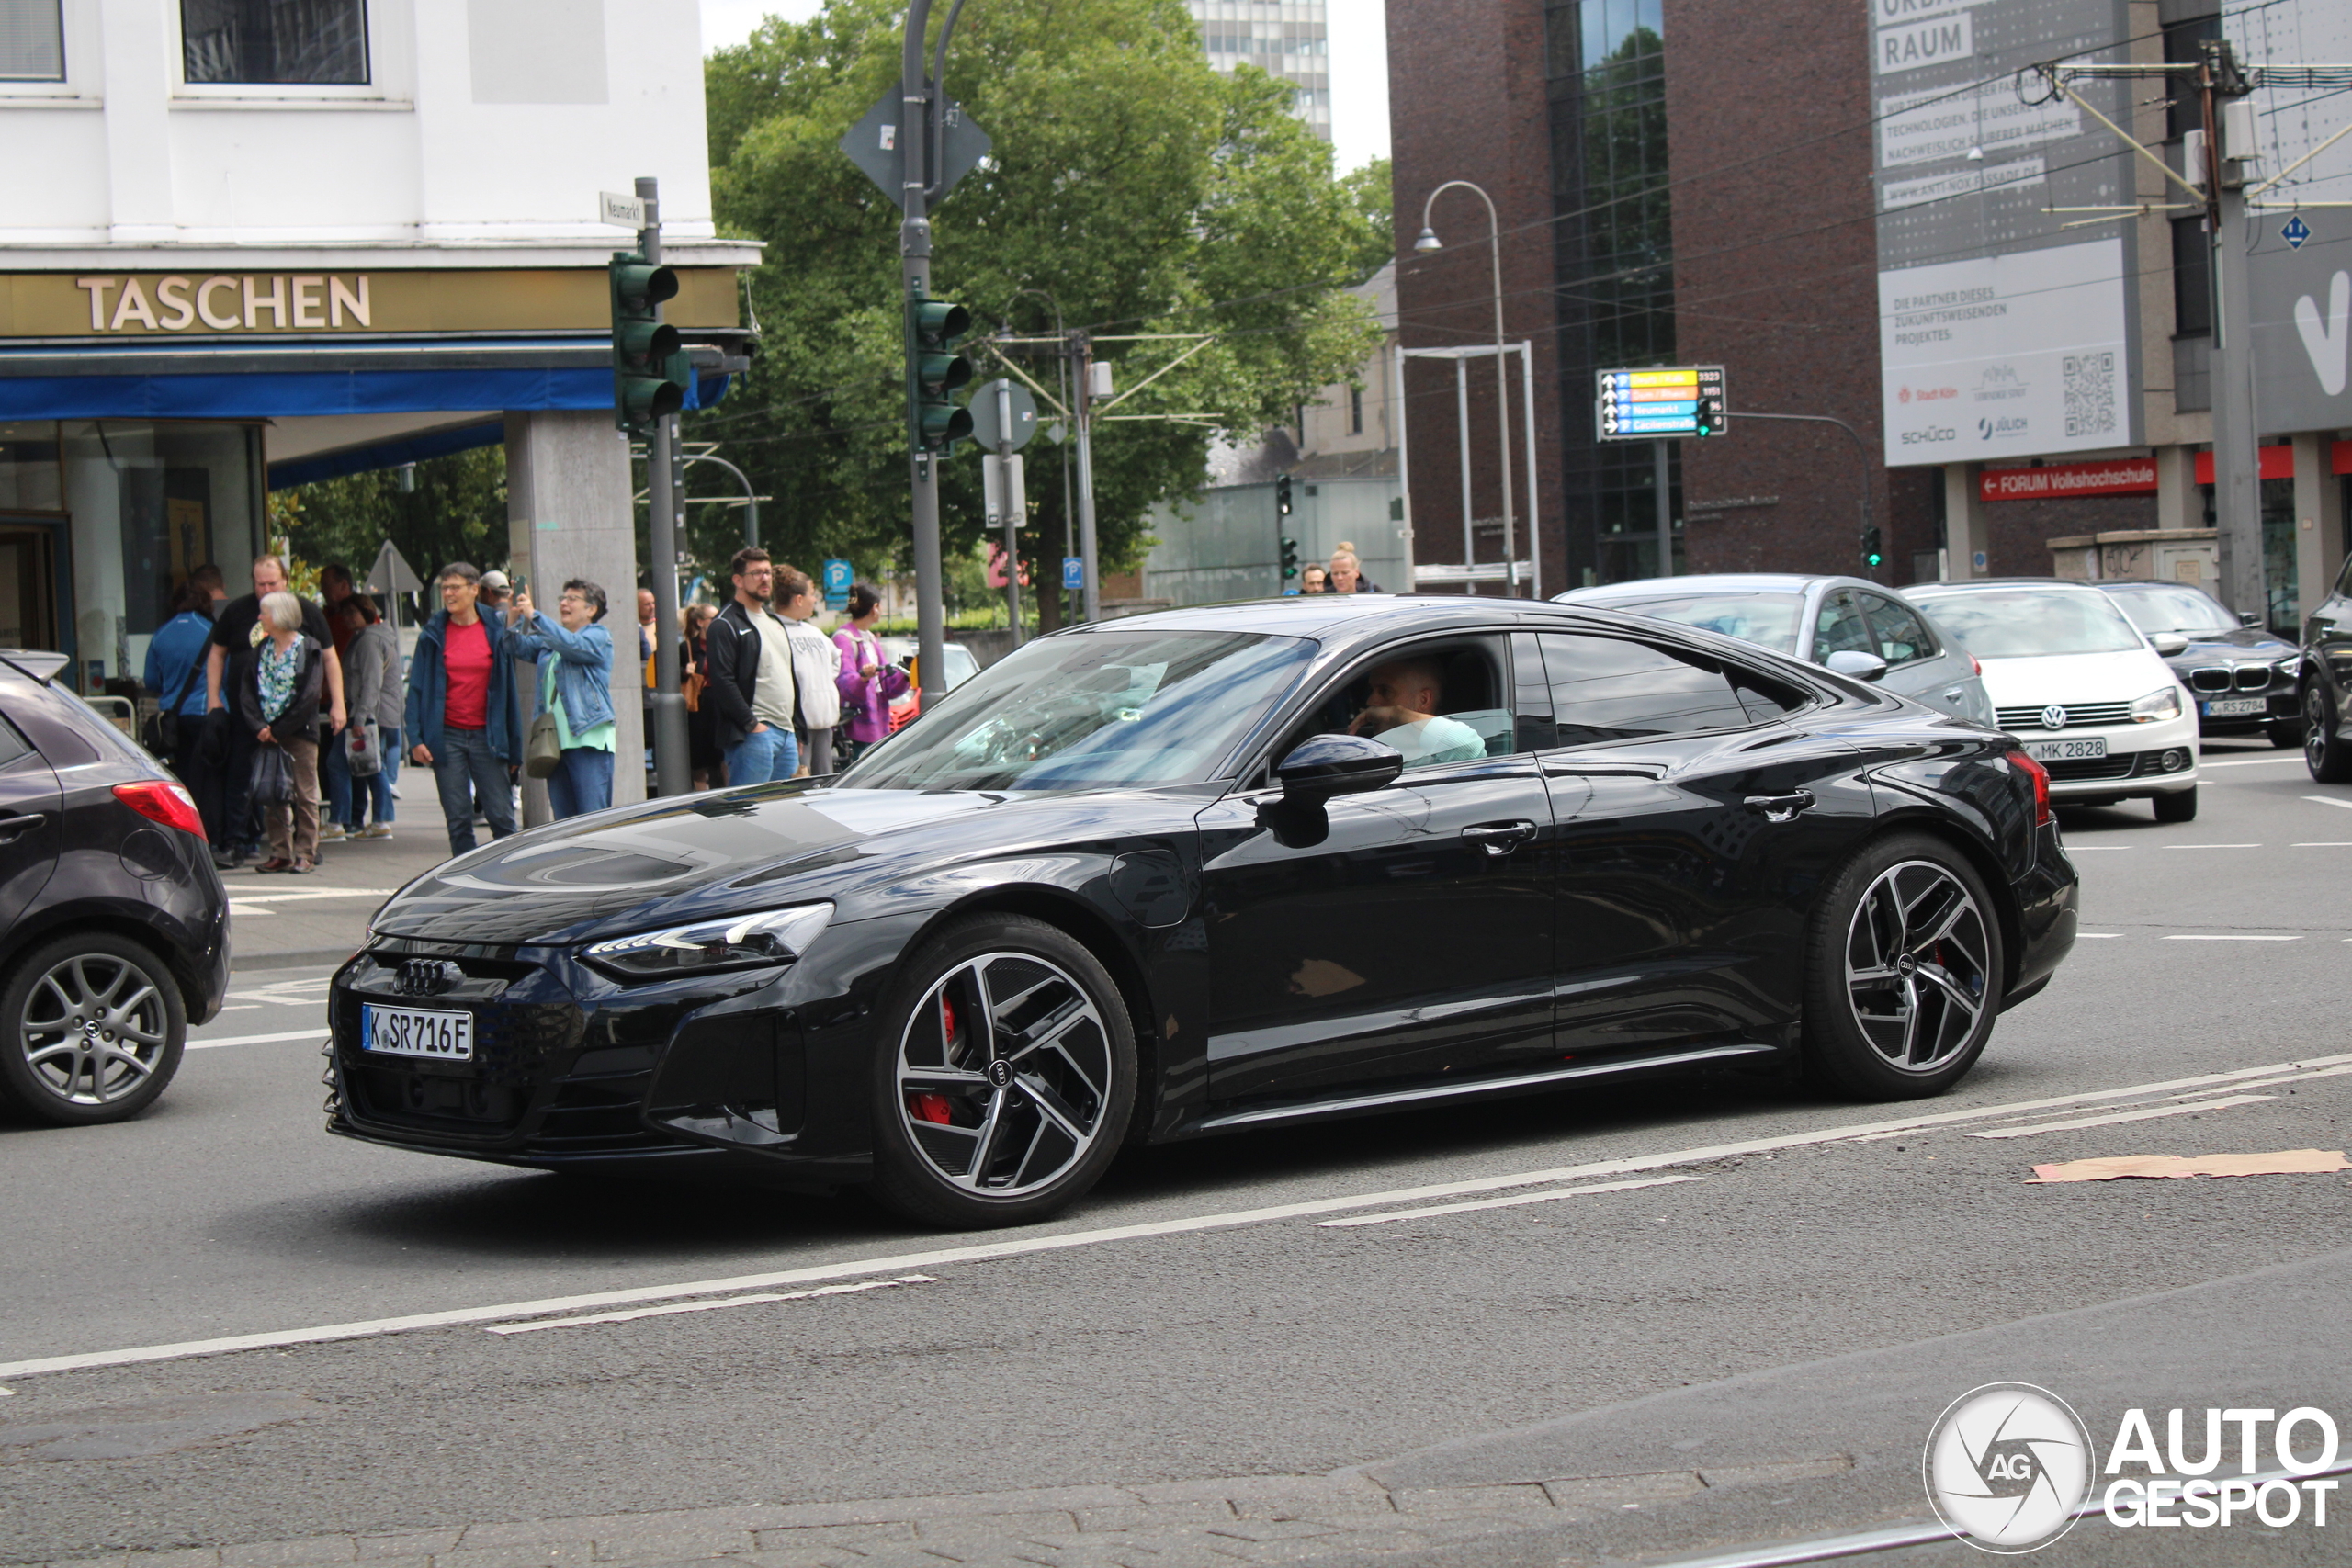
(1401, 710)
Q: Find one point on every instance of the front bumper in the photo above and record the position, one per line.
(570, 1068)
(2141, 759)
(2277, 707)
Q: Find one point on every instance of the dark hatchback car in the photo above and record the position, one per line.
(2243, 677)
(114, 929)
(1217, 869)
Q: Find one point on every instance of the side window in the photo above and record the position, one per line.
(1839, 628)
(2344, 580)
(1609, 689)
(1532, 695)
(1902, 636)
(12, 745)
(1445, 702)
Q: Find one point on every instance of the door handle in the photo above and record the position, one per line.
(12, 826)
(1780, 807)
(1500, 837)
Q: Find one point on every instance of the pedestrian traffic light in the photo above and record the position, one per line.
(1282, 495)
(650, 368)
(936, 372)
(1290, 559)
(1874, 553)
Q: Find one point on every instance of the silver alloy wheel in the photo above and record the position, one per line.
(2315, 728)
(94, 1029)
(1005, 1072)
(1917, 972)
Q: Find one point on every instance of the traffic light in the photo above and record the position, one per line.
(1290, 559)
(1282, 495)
(1873, 552)
(1709, 417)
(936, 372)
(650, 368)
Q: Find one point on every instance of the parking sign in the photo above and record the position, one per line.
(836, 584)
(1074, 573)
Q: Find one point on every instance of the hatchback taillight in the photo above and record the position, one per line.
(159, 801)
(2040, 777)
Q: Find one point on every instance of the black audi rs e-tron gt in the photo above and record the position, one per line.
(1216, 869)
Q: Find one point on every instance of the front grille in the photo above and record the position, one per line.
(521, 1020)
(2079, 716)
(2210, 677)
(2255, 677)
(2122, 765)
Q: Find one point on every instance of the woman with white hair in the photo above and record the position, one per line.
(280, 708)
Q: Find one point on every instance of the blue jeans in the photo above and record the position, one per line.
(772, 753)
(465, 769)
(371, 799)
(334, 771)
(581, 782)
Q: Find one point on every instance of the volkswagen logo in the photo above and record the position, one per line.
(2054, 717)
(425, 976)
(1000, 1072)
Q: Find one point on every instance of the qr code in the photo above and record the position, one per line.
(2090, 393)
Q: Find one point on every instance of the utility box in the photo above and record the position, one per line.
(2167, 555)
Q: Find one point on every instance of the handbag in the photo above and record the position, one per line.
(161, 735)
(363, 748)
(273, 779)
(542, 747)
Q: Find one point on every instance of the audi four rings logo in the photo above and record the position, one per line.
(425, 977)
(1000, 1072)
(2008, 1467)
(2054, 717)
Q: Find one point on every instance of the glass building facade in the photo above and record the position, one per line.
(1613, 249)
(1289, 39)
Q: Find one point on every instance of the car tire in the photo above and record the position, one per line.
(2326, 753)
(2283, 732)
(1903, 971)
(92, 1027)
(2178, 807)
(966, 1137)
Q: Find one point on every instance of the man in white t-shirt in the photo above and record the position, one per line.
(1402, 712)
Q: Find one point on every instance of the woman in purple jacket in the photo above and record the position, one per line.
(868, 680)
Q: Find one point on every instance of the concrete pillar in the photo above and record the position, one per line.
(1966, 535)
(2319, 522)
(2179, 503)
(568, 495)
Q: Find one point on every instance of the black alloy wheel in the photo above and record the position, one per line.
(94, 1029)
(1005, 1076)
(1903, 975)
(2326, 753)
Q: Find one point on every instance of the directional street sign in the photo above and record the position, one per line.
(1660, 404)
(620, 211)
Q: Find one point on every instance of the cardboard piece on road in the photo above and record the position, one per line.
(2287, 1162)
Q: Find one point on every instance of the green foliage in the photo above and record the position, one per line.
(1372, 191)
(1131, 185)
(457, 511)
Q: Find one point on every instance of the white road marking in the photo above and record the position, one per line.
(240, 1007)
(2098, 936)
(2330, 800)
(2255, 762)
(313, 893)
(2091, 849)
(1064, 1240)
(2149, 1115)
(2212, 846)
(237, 907)
(318, 1033)
(1504, 1202)
(709, 1306)
(2232, 936)
(2324, 845)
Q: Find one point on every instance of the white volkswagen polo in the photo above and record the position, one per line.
(2090, 697)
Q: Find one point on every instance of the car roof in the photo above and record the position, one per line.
(39, 663)
(1972, 584)
(1709, 582)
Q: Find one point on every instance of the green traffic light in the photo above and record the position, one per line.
(942, 373)
(646, 343)
(936, 372)
(939, 321)
(643, 284)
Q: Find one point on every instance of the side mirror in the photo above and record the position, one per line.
(2251, 618)
(1325, 765)
(2168, 645)
(1855, 662)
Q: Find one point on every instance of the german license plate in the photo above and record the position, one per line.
(2066, 750)
(2236, 708)
(408, 1031)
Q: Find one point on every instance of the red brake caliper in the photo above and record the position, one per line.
(928, 1107)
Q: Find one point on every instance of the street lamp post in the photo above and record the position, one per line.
(1430, 242)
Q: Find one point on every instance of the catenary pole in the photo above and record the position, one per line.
(915, 273)
(2237, 494)
(671, 768)
(1090, 567)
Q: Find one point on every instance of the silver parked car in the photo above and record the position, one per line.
(1853, 627)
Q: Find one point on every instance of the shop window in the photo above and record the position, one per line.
(307, 42)
(29, 479)
(32, 40)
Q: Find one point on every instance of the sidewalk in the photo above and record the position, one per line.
(284, 922)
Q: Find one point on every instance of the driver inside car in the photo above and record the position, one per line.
(1400, 710)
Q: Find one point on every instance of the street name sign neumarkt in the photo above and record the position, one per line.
(1660, 404)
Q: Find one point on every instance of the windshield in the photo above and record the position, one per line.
(1770, 619)
(2025, 622)
(1102, 710)
(2163, 608)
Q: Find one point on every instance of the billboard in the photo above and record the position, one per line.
(2002, 333)
(2299, 261)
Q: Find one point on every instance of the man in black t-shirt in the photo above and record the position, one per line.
(236, 629)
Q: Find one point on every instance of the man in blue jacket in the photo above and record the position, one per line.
(459, 715)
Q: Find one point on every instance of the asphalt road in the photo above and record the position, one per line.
(1205, 1342)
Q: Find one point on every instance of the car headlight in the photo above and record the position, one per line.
(2161, 704)
(738, 941)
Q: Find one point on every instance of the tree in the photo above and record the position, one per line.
(1131, 190)
(457, 512)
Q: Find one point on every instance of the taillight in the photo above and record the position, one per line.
(2040, 777)
(160, 801)
(1975, 667)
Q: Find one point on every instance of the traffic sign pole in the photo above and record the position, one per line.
(1664, 509)
(671, 770)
